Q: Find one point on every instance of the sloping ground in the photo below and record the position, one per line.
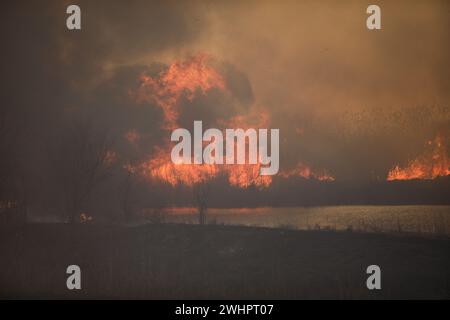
(217, 262)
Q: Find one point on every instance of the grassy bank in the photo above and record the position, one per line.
(220, 262)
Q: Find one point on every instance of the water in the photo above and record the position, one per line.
(411, 219)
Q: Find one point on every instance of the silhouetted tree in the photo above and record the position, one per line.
(81, 160)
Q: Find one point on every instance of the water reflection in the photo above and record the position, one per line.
(414, 219)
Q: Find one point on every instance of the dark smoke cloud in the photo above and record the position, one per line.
(345, 99)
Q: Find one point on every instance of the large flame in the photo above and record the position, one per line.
(187, 79)
(181, 79)
(245, 175)
(433, 163)
(161, 167)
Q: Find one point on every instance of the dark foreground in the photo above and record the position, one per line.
(217, 262)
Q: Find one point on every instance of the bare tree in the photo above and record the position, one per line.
(81, 160)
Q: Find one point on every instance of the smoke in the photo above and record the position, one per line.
(348, 101)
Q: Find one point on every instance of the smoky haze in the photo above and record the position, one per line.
(353, 101)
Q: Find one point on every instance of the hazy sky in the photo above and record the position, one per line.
(345, 98)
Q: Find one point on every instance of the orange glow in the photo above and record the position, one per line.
(186, 79)
(162, 168)
(245, 175)
(181, 79)
(433, 163)
(132, 136)
(304, 171)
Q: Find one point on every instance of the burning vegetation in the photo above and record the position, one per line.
(181, 79)
(304, 171)
(432, 163)
(185, 80)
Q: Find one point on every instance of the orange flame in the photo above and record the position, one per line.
(304, 171)
(429, 165)
(245, 175)
(180, 79)
(185, 80)
(162, 168)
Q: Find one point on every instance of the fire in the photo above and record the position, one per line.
(181, 79)
(161, 167)
(245, 175)
(185, 80)
(433, 163)
(302, 170)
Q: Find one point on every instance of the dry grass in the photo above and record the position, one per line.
(220, 262)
